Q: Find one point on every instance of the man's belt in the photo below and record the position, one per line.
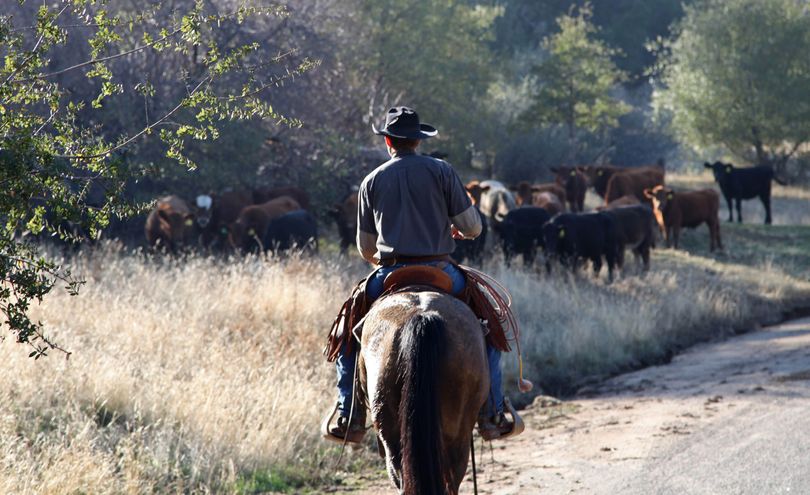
(414, 259)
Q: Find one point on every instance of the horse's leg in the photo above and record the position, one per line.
(458, 458)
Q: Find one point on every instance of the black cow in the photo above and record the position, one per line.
(744, 183)
(472, 249)
(570, 237)
(635, 227)
(521, 232)
(294, 230)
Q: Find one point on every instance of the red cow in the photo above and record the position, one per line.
(575, 184)
(675, 210)
(345, 215)
(633, 182)
(248, 229)
(215, 214)
(265, 194)
(170, 224)
(629, 200)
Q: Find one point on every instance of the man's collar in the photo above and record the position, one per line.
(403, 152)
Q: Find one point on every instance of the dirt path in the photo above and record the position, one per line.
(728, 417)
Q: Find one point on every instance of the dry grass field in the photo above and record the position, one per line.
(206, 376)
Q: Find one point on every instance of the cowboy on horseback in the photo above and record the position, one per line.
(409, 211)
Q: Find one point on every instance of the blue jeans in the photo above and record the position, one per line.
(374, 288)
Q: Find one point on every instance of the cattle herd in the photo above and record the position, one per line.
(524, 219)
(263, 219)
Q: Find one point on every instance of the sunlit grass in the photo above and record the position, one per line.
(206, 376)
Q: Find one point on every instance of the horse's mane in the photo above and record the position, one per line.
(421, 346)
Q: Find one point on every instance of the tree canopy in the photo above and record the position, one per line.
(737, 75)
(65, 124)
(575, 81)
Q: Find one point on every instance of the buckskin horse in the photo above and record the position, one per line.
(424, 366)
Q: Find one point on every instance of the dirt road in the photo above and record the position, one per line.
(730, 417)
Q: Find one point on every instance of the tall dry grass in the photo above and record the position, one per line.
(577, 329)
(194, 375)
(185, 375)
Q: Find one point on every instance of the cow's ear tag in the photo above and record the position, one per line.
(573, 173)
(600, 172)
(223, 230)
(562, 233)
(189, 222)
(669, 195)
(251, 232)
(728, 170)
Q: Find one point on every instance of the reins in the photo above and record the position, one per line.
(474, 472)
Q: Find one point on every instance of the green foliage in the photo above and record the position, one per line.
(737, 75)
(61, 153)
(432, 55)
(574, 83)
(269, 481)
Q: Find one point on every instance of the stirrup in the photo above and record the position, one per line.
(327, 435)
(325, 426)
(517, 421)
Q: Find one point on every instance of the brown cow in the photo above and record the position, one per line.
(170, 224)
(523, 193)
(530, 194)
(251, 224)
(628, 200)
(345, 215)
(264, 194)
(634, 182)
(215, 214)
(675, 210)
(549, 202)
(598, 176)
(575, 184)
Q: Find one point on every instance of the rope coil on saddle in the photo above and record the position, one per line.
(500, 301)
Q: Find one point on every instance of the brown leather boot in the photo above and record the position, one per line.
(500, 426)
(352, 432)
(494, 427)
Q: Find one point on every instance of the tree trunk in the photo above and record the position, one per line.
(762, 156)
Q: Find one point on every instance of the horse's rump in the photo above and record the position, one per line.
(426, 374)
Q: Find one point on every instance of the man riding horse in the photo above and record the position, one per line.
(409, 211)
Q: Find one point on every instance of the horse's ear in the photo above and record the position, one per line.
(648, 194)
(484, 188)
(707, 165)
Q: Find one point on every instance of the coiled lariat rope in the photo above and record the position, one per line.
(502, 302)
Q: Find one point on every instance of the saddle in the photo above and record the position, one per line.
(489, 303)
(417, 276)
(486, 302)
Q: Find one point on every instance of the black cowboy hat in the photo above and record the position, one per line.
(403, 122)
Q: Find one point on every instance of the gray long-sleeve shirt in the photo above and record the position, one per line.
(408, 203)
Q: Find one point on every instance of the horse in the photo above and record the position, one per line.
(423, 365)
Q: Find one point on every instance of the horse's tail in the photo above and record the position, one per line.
(421, 345)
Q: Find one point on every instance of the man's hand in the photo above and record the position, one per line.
(456, 234)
